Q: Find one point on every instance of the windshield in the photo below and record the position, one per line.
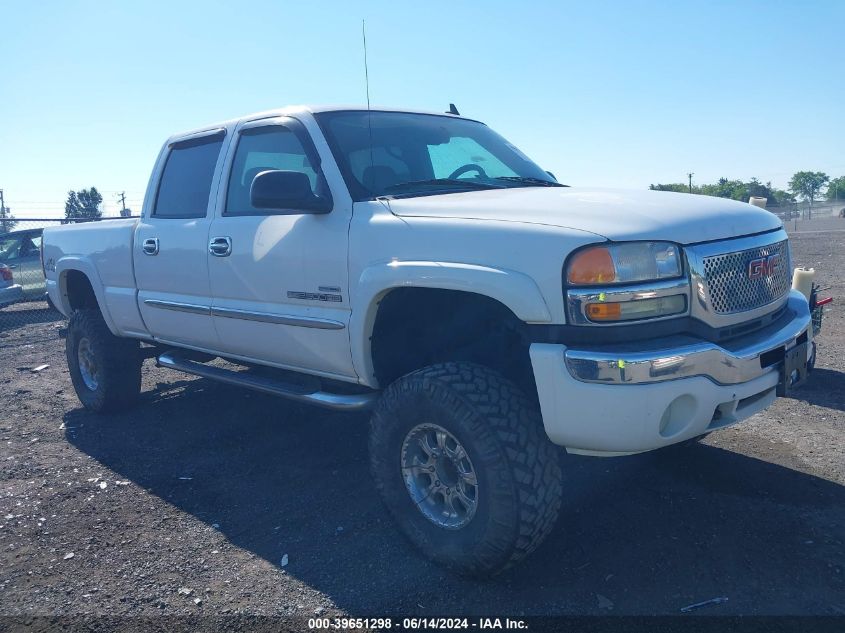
(423, 154)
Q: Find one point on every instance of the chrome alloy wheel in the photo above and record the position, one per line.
(439, 476)
(88, 367)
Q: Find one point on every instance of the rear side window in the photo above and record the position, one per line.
(186, 181)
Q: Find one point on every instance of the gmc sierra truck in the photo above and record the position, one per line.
(421, 266)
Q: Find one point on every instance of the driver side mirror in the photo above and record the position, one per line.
(288, 191)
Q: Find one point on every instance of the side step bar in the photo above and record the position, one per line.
(340, 402)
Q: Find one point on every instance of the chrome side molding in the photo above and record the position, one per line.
(247, 315)
(327, 400)
(280, 319)
(191, 308)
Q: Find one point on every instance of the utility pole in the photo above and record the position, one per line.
(5, 225)
(122, 197)
(690, 175)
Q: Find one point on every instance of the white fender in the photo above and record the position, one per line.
(83, 265)
(515, 290)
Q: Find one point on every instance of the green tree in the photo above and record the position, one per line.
(724, 188)
(836, 189)
(808, 184)
(736, 190)
(677, 187)
(83, 204)
(782, 198)
(7, 221)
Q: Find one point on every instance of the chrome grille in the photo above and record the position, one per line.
(732, 289)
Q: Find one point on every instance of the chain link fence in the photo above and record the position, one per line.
(26, 314)
(820, 210)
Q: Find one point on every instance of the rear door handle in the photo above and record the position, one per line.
(220, 246)
(150, 246)
(12, 266)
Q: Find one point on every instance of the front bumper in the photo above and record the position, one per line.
(641, 396)
(10, 294)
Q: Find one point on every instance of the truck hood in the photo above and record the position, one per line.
(611, 213)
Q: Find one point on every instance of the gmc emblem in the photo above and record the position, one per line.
(763, 266)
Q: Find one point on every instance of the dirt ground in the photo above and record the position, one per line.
(207, 499)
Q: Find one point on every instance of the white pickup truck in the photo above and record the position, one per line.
(422, 266)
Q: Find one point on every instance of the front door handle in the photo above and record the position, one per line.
(220, 246)
(150, 246)
(12, 266)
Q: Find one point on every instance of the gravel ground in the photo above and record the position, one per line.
(207, 499)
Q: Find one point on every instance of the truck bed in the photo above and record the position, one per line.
(103, 251)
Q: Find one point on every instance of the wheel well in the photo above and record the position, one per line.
(79, 291)
(417, 327)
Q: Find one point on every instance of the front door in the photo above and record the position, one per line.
(171, 245)
(279, 280)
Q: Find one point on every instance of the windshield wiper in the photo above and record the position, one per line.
(528, 180)
(451, 182)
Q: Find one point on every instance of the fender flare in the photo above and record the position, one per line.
(86, 267)
(515, 290)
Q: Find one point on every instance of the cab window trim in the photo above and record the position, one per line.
(257, 126)
(185, 142)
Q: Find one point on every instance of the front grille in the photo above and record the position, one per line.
(732, 289)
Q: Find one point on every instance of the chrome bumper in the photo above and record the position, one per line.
(737, 361)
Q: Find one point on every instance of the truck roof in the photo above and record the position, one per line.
(302, 109)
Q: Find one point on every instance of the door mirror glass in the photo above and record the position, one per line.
(282, 189)
(291, 183)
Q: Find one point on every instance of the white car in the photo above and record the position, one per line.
(10, 292)
(421, 265)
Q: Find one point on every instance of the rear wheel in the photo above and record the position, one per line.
(105, 369)
(461, 460)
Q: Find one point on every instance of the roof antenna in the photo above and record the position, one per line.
(453, 110)
(367, 84)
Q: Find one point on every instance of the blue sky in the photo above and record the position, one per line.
(601, 93)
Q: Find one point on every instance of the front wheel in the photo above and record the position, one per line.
(105, 369)
(461, 460)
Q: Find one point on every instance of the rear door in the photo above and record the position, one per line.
(171, 243)
(280, 289)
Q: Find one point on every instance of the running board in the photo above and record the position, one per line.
(339, 402)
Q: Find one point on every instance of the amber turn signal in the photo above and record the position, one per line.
(639, 309)
(604, 311)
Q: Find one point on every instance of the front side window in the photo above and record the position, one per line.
(260, 149)
(405, 154)
(185, 184)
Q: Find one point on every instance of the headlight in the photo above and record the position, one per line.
(624, 263)
(630, 281)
